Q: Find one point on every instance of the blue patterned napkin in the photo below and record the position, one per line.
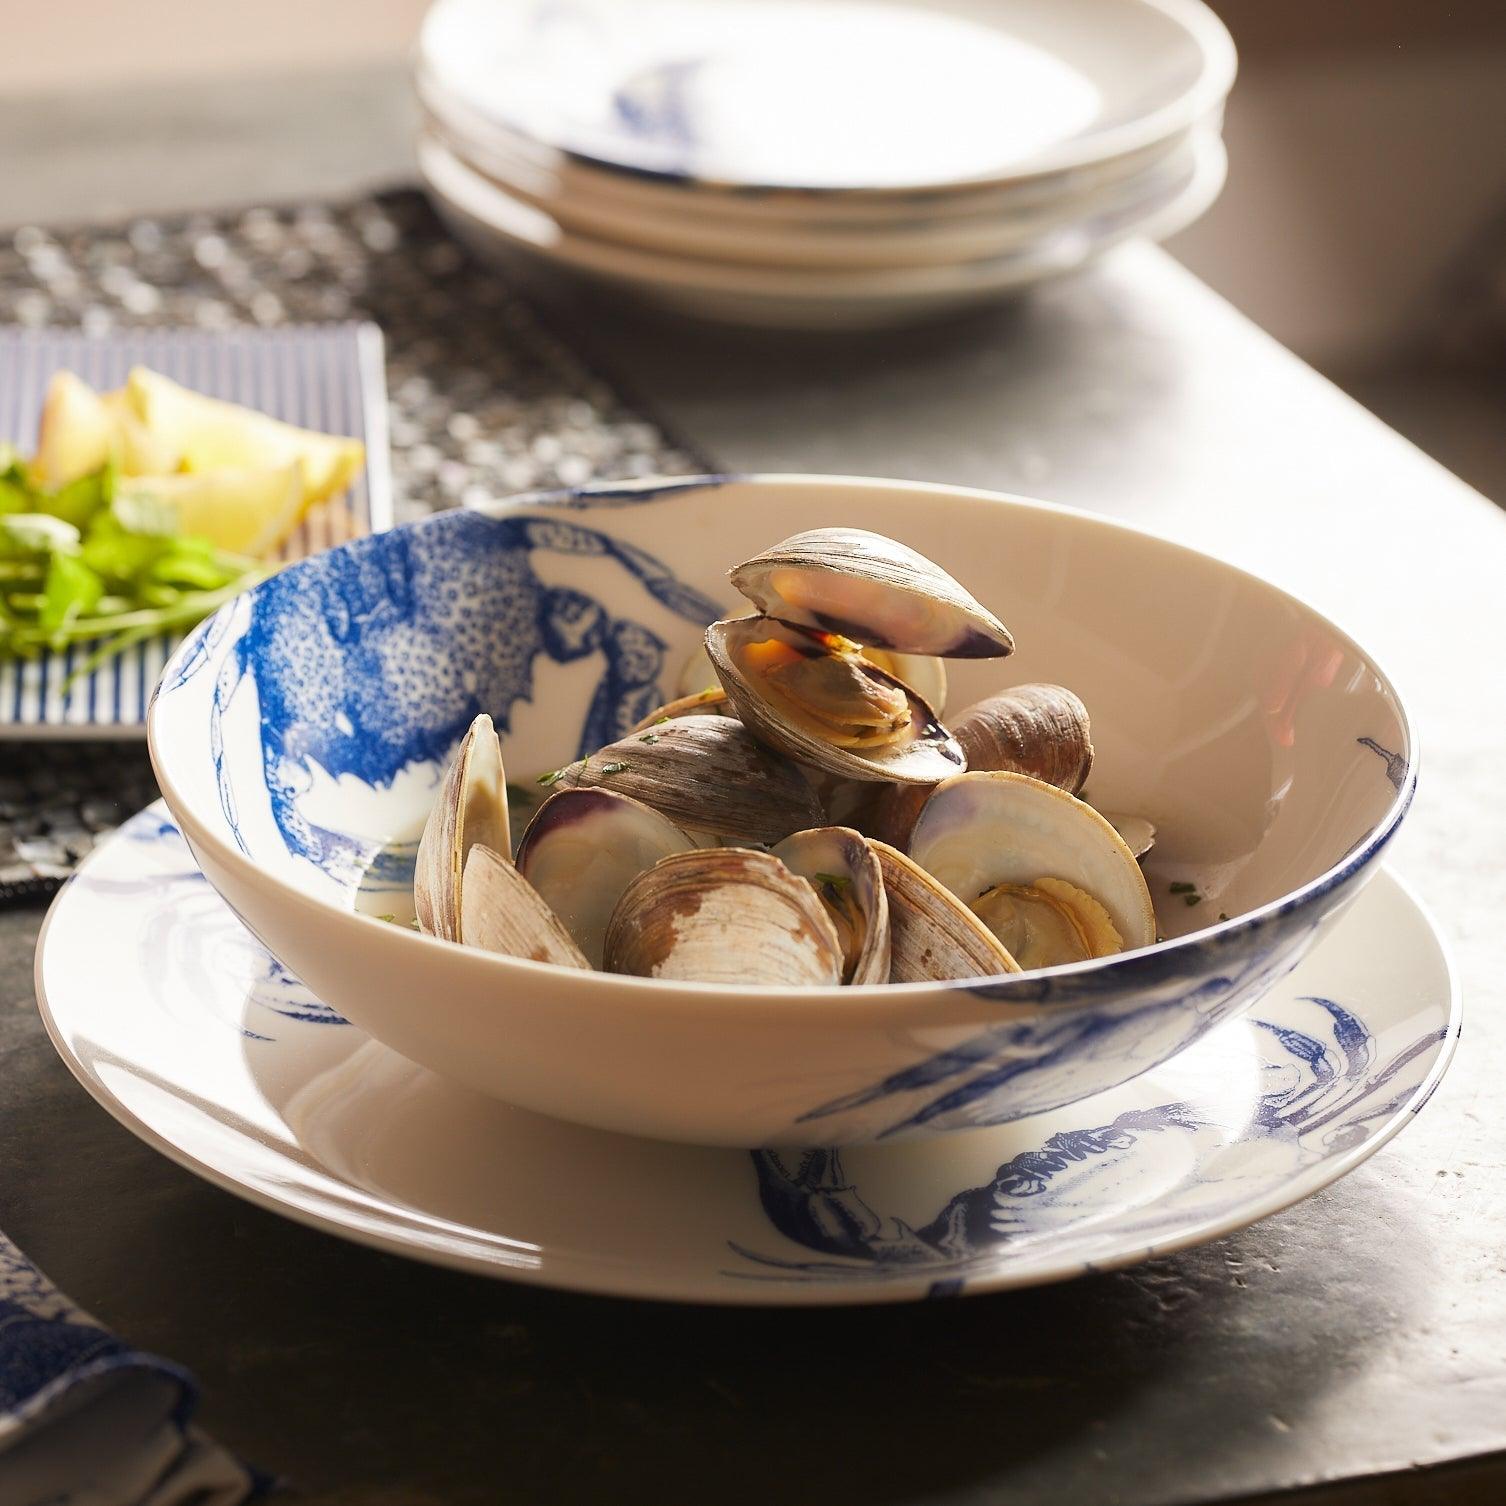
(85, 1420)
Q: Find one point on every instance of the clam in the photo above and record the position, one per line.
(709, 702)
(925, 674)
(471, 809)
(1138, 834)
(1040, 730)
(502, 912)
(584, 847)
(724, 915)
(863, 586)
(932, 934)
(1048, 875)
(815, 697)
(707, 774)
(839, 865)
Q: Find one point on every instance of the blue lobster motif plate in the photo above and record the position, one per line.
(176, 1019)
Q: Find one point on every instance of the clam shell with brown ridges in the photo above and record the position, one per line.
(707, 774)
(724, 915)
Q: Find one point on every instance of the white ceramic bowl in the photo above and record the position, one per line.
(299, 736)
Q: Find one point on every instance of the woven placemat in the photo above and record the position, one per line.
(485, 400)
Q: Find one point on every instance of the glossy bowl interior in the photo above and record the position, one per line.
(299, 737)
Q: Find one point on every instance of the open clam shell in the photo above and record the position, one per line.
(502, 912)
(1046, 871)
(839, 865)
(932, 934)
(725, 915)
(818, 700)
(874, 590)
(471, 809)
(582, 850)
(707, 774)
(1041, 730)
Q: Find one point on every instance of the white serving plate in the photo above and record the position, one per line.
(693, 231)
(497, 225)
(831, 99)
(189, 1033)
(558, 175)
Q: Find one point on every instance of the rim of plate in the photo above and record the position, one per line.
(614, 1276)
(686, 996)
(1214, 81)
(532, 229)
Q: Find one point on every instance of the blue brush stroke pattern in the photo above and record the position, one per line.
(377, 656)
(1326, 1090)
(1021, 1067)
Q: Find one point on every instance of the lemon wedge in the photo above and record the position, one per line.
(238, 509)
(137, 451)
(76, 433)
(211, 435)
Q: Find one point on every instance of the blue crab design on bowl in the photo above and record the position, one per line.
(377, 656)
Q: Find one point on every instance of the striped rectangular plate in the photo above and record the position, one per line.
(326, 377)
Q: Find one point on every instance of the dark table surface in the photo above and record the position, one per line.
(1355, 1345)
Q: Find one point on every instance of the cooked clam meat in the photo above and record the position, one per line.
(849, 700)
(1048, 922)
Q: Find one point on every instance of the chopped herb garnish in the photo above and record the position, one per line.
(662, 721)
(836, 880)
(649, 737)
(1184, 888)
(1192, 899)
(613, 768)
(390, 919)
(549, 778)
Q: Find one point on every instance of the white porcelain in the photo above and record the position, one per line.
(555, 175)
(830, 99)
(497, 225)
(300, 734)
(190, 1033)
(810, 242)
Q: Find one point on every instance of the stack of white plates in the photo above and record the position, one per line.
(816, 163)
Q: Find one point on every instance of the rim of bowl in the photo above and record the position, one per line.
(1213, 84)
(842, 996)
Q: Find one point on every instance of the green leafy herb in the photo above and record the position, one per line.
(663, 721)
(78, 566)
(1192, 899)
(836, 880)
(613, 768)
(549, 778)
(1184, 888)
(649, 737)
